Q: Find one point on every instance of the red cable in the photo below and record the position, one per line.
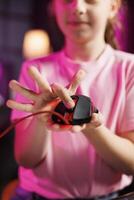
(33, 114)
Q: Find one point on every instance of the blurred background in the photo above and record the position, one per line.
(24, 24)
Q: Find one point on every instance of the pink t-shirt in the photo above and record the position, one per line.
(72, 167)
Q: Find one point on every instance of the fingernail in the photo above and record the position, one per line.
(81, 72)
(69, 104)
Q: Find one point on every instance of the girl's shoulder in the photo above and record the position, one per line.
(124, 61)
(123, 56)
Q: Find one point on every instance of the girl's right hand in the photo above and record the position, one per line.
(46, 99)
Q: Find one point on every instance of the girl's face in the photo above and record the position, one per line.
(84, 20)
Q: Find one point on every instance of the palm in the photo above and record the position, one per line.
(48, 97)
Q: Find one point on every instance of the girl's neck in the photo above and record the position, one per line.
(84, 52)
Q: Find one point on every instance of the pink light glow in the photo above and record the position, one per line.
(121, 29)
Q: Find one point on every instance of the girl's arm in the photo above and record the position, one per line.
(117, 151)
(32, 134)
(31, 141)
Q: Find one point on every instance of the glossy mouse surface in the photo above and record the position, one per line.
(80, 114)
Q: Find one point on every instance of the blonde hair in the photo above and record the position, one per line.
(115, 25)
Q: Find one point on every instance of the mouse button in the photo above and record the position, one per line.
(83, 108)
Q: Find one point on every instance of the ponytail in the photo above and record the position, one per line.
(115, 25)
(110, 35)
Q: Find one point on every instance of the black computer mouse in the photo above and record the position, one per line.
(80, 114)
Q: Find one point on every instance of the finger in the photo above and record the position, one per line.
(78, 128)
(64, 95)
(42, 82)
(78, 77)
(47, 96)
(96, 120)
(15, 86)
(19, 106)
(59, 128)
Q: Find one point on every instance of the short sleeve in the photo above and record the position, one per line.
(128, 116)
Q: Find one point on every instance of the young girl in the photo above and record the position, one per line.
(94, 160)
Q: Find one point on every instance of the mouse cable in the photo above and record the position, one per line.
(2, 134)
